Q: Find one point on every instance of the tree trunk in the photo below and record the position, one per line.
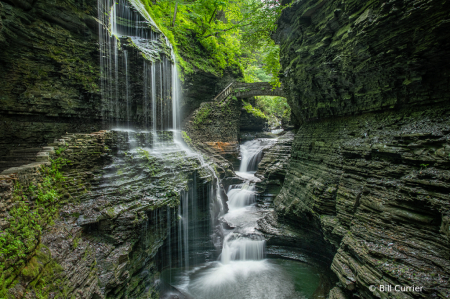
(174, 14)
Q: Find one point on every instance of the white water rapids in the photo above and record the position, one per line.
(242, 271)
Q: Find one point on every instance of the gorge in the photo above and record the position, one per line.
(129, 169)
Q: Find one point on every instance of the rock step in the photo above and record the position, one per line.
(18, 157)
(9, 164)
(32, 150)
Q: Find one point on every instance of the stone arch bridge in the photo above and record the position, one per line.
(246, 90)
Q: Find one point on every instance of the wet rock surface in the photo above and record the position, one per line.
(215, 126)
(122, 206)
(273, 167)
(50, 71)
(368, 183)
(375, 188)
(250, 122)
(343, 58)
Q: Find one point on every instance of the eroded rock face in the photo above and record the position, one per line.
(274, 164)
(376, 186)
(215, 127)
(250, 122)
(120, 208)
(341, 58)
(368, 181)
(50, 69)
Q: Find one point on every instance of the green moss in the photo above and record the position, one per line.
(186, 137)
(34, 209)
(202, 115)
(254, 111)
(152, 163)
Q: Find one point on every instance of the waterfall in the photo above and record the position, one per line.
(127, 86)
(129, 42)
(242, 197)
(251, 155)
(243, 243)
(141, 92)
(242, 248)
(185, 208)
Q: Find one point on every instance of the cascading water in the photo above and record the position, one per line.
(243, 242)
(141, 93)
(242, 269)
(131, 45)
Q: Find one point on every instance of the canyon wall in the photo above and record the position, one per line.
(61, 73)
(103, 233)
(368, 182)
(50, 69)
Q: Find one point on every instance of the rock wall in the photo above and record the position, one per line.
(368, 181)
(215, 126)
(116, 210)
(250, 122)
(344, 58)
(50, 66)
(274, 165)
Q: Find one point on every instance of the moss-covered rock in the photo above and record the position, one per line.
(343, 58)
(367, 184)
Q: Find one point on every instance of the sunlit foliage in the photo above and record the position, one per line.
(212, 34)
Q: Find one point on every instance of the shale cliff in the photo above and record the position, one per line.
(100, 232)
(52, 81)
(50, 69)
(368, 181)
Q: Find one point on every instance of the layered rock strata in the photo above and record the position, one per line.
(50, 71)
(344, 58)
(117, 210)
(216, 126)
(368, 181)
(273, 166)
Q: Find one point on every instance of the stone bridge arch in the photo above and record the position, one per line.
(246, 90)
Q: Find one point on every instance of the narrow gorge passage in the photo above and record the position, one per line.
(204, 149)
(242, 269)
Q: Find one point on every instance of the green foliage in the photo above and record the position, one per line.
(213, 34)
(33, 209)
(255, 111)
(75, 242)
(202, 115)
(60, 150)
(186, 137)
(275, 108)
(263, 64)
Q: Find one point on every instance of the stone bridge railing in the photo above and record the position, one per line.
(246, 90)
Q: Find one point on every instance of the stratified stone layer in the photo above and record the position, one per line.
(368, 183)
(343, 58)
(50, 70)
(117, 209)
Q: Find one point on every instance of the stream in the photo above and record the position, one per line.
(211, 250)
(242, 269)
